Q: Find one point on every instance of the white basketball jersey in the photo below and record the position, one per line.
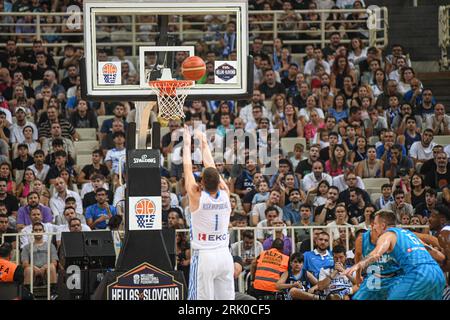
(209, 223)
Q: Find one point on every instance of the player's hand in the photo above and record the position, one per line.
(186, 136)
(198, 134)
(353, 269)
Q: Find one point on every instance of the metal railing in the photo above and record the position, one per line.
(267, 24)
(444, 35)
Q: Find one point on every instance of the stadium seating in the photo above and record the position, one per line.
(87, 133)
(100, 119)
(373, 185)
(85, 147)
(442, 140)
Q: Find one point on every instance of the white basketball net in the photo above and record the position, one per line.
(171, 95)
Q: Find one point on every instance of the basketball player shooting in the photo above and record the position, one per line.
(211, 271)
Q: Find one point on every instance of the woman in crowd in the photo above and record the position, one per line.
(310, 129)
(25, 187)
(41, 189)
(339, 70)
(406, 75)
(325, 97)
(290, 126)
(311, 105)
(165, 186)
(340, 109)
(6, 173)
(336, 165)
(357, 51)
(277, 109)
(417, 190)
(379, 82)
(370, 167)
(360, 153)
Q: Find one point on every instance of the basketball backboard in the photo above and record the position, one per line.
(127, 42)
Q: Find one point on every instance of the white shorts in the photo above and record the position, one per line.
(211, 275)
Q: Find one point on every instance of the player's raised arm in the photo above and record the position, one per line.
(208, 160)
(190, 183)
(384, 243)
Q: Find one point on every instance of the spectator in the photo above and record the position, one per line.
(69, 213)
(341, 220)
(277, 223)
(35, 216)
(49, 80)
(351, 181)
(320, 257)
(98, 215)
(24, 213)
(370, 167)
(61, 162)
(6, 229)
(304, 167)
(408, 130)
(57, 201)
(290, 126)
(326, 213)
(10, 201)
(39, 168)
(317, 197)
(96, 167)
(20, 124)
(26, 185)
(425, 209)
(339, 70)
(439, 122)
(318, 60)
(23, 160)
(397, 163)
(384, 150)
(115, 157)
(56, 133)
(361, 27)
(337, 163)
(325, 153)
(270, 86)
(72, 224)
(386, 197)
(246, 112)
(299, 99)
(399, 206)
(306, 221)
(244, 182)
(378, 82)
(83, 116)
(340, 109)
(291, 212)
(311, 105)
(40, 252)
(298, 155)
(440, 178)
(430, 165)
(417, 189)
(259, 210)
(6, 173)
(312, 180)
(71, 79)
(391, 90)
(356, 207)
(67, 130)
(332, 280)
(247, 199)
(425, 102)
(270, 214)
(397, 74)
(421, 151)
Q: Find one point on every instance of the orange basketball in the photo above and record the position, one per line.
(145, 206)
(193, 68)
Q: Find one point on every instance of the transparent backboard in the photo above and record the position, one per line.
(126, 43)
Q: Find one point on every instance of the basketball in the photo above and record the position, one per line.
(193, 68)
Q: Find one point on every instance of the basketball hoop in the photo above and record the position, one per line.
(171, 95)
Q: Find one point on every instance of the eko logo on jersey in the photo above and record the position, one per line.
(145, 213)
(212, 237)
(109, 72)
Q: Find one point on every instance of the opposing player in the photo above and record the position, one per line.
(421, 276)
(211, 271)
(381, 274)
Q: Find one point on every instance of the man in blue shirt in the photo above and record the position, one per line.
(384, 151)
(98, 215)
(320, 257)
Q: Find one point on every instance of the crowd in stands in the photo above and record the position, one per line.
(362, 112)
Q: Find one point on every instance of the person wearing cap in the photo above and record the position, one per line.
(16, 135)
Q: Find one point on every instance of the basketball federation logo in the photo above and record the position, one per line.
(145, 210)
(109, 72)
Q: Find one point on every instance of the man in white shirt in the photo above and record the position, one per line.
(341, 183)
(72, 222)
(247, 248)
(312, 180)
(341, 220)
(35, 216)
(311, 64)
(246, 113)
(422, 151)
(116, 156)
(58, 200)
(39, 168)
(271, 214)
(259, 210)
(16, 135)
